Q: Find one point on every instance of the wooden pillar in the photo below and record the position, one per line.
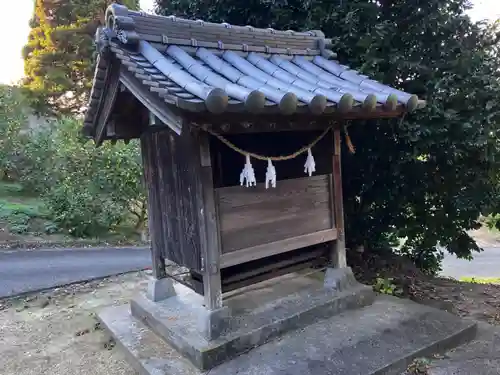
(151, 178)
(338, 253)
(211, 248)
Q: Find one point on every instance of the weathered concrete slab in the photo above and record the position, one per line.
(257, 315)
(479, 357)
(379, 339)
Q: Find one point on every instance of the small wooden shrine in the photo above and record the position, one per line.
(240, 132)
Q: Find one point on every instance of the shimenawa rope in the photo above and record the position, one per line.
(264, 157)
(247, 176)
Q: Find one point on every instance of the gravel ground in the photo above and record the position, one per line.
(57, 333)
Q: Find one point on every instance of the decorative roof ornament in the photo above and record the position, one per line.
(103, 35)
(122, 36)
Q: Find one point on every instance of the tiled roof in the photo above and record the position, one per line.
(199, 66)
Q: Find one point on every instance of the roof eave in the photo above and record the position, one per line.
(152, 102)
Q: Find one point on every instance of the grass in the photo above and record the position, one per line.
(481, 280)
(489, 222)
(21, 212)
(8, 189)
(29, 207)
(494, 231)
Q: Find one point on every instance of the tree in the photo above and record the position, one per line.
(426, 177)
(59, 53)
(13, 116)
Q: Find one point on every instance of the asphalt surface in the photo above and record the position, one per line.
(27, 271)
(484, 264)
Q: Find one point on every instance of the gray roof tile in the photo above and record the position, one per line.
(202, 66)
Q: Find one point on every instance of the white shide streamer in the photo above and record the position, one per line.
(247, 176)
(270, 174)
(310, 165)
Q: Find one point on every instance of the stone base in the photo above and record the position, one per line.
(159, 290)
(250, 317)
(339, 279)
(379, 339)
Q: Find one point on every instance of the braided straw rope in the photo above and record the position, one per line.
(272, 158)
(348, 141)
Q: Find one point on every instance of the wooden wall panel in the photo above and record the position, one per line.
(179, 199)
(255, 216)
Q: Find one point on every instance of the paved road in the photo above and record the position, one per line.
(25, 271)
(484, 264)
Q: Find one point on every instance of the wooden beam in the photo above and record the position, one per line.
(275, 272)
(108, 98)
(253, 270)
(151, 177)
(338, 253)
(242, 123)
(277, 247)
(211, 247)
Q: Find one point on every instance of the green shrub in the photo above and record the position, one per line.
(493, 221)
(81, 212)
(88, 191)
(387, 286)
(37, 172)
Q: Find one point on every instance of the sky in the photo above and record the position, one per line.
(14, 30)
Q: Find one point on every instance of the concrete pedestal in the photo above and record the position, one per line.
(250, 317)
(299, 326)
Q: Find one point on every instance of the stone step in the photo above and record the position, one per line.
(479, 357)
(379, 339)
